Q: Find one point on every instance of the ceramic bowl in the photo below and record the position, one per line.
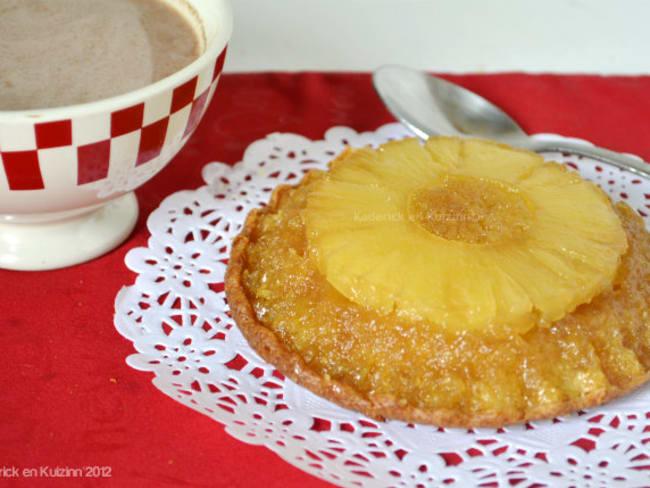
(67, 174)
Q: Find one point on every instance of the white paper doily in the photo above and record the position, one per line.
(176, 315)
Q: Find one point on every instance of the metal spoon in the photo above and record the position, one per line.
(431, 106)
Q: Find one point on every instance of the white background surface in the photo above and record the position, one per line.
(590, 36)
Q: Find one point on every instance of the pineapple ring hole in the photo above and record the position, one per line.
(471, 210)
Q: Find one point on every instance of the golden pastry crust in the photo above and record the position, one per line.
(382, 406)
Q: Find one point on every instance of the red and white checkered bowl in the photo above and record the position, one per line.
(67, 174)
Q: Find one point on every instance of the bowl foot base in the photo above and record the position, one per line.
(57, 244)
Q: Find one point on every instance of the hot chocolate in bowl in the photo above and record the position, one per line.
(67, 173)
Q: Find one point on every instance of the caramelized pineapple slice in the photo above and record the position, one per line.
(467, 234)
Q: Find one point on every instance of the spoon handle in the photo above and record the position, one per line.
(632, 164)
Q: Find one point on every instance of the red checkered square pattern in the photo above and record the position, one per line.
(218, 66)
(22, 170)
(184, 94)
(198, 105)
(127, 120)
(92, 161)
(53, 134)
(152, 139)
(22, 165)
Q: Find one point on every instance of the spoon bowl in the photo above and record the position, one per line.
(432, 106)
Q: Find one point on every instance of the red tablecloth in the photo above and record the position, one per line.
(68, 399)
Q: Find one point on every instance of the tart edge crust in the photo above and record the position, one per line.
(377, 406)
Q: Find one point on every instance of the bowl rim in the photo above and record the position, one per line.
(213, 49)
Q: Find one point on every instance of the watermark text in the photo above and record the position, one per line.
(55, 471)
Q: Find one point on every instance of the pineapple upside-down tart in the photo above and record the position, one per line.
(458, 283)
